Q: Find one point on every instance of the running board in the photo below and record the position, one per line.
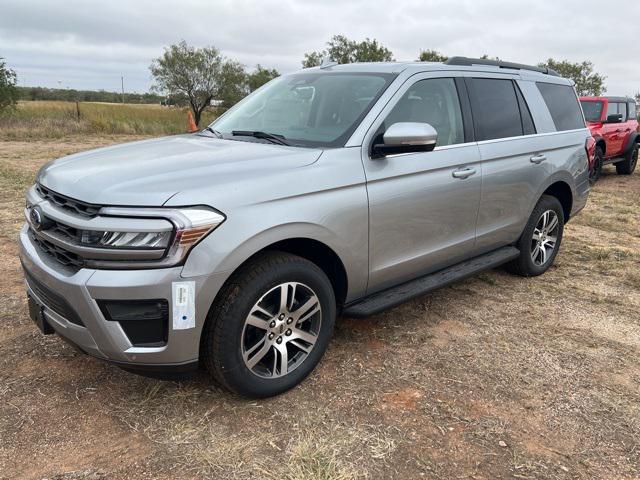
(394, 296)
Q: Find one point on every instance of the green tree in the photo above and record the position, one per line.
(313, 59)
(432, 56)
(8, 89)
(343, 50)
(588, 82)
(232, 83)
(193, 73)
(261, 76)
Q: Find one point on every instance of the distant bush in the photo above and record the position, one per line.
(71, 95)
(56, 119)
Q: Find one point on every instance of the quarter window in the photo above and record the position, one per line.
(632, 111)
(527, 121)
(434, 101)
(563, 105)
(496, 113)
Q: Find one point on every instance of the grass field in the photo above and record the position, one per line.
(494, 377)
(44, 119)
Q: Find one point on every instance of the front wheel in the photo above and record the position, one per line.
(270, 325)
(541, 238)
(628, 165)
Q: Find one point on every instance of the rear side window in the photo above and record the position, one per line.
(563, 105)
(496, 113)
(633, 114)
(622, 109)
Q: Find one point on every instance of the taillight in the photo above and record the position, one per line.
(590, 147)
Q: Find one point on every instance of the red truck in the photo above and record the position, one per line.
(614, 126)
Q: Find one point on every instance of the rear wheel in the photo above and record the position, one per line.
(596, 169)
(540, 241)
(628, 165)
(270, 326)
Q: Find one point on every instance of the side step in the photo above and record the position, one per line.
(393, 296)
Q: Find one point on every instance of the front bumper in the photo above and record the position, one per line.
(106, 339)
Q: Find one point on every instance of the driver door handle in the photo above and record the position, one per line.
(538, 159)
(463, 173)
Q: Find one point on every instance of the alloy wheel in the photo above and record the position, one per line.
(281, 330)
(545, 237)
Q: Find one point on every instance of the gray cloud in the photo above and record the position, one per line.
(88, 44)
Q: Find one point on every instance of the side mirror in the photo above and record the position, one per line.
(406, 137)
(615, 118)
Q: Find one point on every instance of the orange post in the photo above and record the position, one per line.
(191, 124)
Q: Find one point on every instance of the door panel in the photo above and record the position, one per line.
(510, 183)
(422, 206)
(612, 133)
(421, 218)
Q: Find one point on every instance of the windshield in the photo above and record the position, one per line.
(592, 110)
(315, 109)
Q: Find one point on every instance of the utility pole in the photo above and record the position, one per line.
(122, 79)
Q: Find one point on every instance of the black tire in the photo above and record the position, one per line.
(224, 332)
(628, 165)
(596, 171)
(525, 265)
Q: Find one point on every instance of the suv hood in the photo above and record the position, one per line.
(150, 172)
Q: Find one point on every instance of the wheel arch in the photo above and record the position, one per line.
(601, 143)
(562, 191)
(316, 252)
(631, 141)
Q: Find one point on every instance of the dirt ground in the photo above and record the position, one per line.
(494, 377)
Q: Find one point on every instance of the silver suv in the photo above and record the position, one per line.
(335, 190)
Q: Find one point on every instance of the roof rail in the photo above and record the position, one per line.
(468, 62)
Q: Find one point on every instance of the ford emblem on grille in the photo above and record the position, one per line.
(38, 220)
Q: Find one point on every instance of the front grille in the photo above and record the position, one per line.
(69, 204)
(64, 231)
(52, 300)
(59, 254)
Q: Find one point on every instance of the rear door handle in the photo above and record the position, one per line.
(463, 173)
(538, 158)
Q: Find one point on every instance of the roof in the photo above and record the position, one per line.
(609, 98)
(418, 67)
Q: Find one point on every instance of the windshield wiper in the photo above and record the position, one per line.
(215, 132)
(272, 137)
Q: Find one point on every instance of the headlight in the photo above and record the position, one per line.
(190, 225)
(116, 237)
(125, 239)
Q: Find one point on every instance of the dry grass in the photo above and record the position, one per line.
(494, 377)
(50, 119)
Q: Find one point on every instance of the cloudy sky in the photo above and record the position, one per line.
(89, 45)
